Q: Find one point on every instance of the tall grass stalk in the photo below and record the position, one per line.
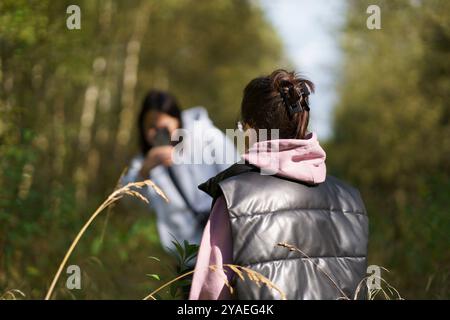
(13, 294)
(113, 197)
(238, 270)
(371, 294)
(294, 248)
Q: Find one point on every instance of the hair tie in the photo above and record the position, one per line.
(304, 92)
(301, 104)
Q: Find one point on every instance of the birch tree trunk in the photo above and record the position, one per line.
(130, 75)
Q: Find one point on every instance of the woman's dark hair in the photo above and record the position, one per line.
(268, 102)
(158, 101)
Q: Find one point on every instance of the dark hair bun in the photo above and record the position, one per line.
(290, 84)
(277, 101)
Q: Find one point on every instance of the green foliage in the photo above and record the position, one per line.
(392, 137)
(68, 104)
(184, 254)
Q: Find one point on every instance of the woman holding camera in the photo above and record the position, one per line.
(160, 118)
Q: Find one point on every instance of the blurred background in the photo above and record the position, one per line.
(69, 101)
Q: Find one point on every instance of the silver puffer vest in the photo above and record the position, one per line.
(326, 222)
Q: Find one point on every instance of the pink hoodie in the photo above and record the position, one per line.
(298, 159)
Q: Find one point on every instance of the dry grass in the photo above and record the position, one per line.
(254, 276)
(129, 189)
(291, 247)
(152, 295)
(389, 293)
(241, 272)
(12, 294)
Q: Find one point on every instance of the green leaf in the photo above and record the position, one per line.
(154, 258)
(154, 276)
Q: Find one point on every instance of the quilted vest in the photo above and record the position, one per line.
(326, 226)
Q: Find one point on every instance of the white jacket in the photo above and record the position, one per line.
(175, 219)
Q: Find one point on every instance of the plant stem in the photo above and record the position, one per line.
(72, 247)
(168, 283)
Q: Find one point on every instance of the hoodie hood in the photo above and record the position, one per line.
(195, 117)
(297, 159)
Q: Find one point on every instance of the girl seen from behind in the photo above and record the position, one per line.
(299, 204)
